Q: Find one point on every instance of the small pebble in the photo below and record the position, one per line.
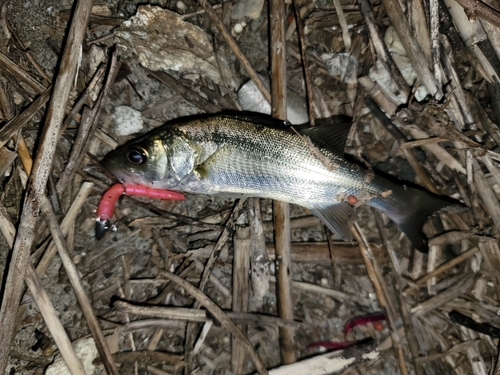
(181, 6)
(238, 28)
(48, 351)
(324, 281)
(318, 81)
(77, 259)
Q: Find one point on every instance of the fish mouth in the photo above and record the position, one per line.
(122, 174)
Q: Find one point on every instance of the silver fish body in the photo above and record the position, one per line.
(255, 155)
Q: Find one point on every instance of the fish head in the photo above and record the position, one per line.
(159, 160)
(143, 161)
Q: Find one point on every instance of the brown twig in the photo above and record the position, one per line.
(343, 24)
(79, 289)
(50, 316)
(477, 8)
(381, 48)
(20, 74)
(185, 92)
(419, 62)
(380, 289)
(305, 65)
(193, 315)
(459, 287)
(236, 49)
(226, 322)
(87, 129)
(13, 285)
(221, 242)
(21, 120)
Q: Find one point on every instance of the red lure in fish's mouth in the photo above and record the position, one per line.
(106, 208)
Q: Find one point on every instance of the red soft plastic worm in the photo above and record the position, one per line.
(354, 322)
(365, 319)
(106, 209)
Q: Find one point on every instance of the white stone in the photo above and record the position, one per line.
(161, 40)
(343, 65)
(251, 99)
(238, 28)
(127, 120)
(85, 350)
(181, 6)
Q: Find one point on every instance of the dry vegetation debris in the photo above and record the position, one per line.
(203, 286)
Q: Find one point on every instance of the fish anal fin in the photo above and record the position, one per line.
(339, 218)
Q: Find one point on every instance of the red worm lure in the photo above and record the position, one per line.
(106, 209)
(354, 322)
(364, 319)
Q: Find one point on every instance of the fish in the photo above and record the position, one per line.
(247, 154)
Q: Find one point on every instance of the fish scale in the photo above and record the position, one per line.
(249, 154)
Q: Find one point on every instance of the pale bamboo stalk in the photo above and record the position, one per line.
(77, 284)
(380, 289)
(241, 272)
(168, 314)
(221, 317)
(305, 69)
(14, 281)
(203, 335)
(482, 9)
(423, 141)
(421, 32)
(413, 50)
(22, 75)
(486, 193)
(42, 299)
(50, 317)
(374, 91)
(259, 258)
(458, 288)
(336, 294)
(435, 42)
(431, 265)
(471, 33)
(13, 126)
(440, 153)
(343, 24)
(69, 218)
(281, 210)
(445, 266)
(324, 364)
(381, 48)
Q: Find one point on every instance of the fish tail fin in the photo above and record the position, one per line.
(410, 208)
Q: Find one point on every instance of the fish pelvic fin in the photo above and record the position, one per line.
(410, 208)
(339, 218)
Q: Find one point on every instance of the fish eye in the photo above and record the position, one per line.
(137, 155)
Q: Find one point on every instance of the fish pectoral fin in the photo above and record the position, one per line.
(339, 218)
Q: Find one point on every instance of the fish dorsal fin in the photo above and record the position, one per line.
(256, 118)
(331, 137)
(339, 218)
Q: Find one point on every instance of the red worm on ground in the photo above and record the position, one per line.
(354, 322)
(106, 209)
(364, 319)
